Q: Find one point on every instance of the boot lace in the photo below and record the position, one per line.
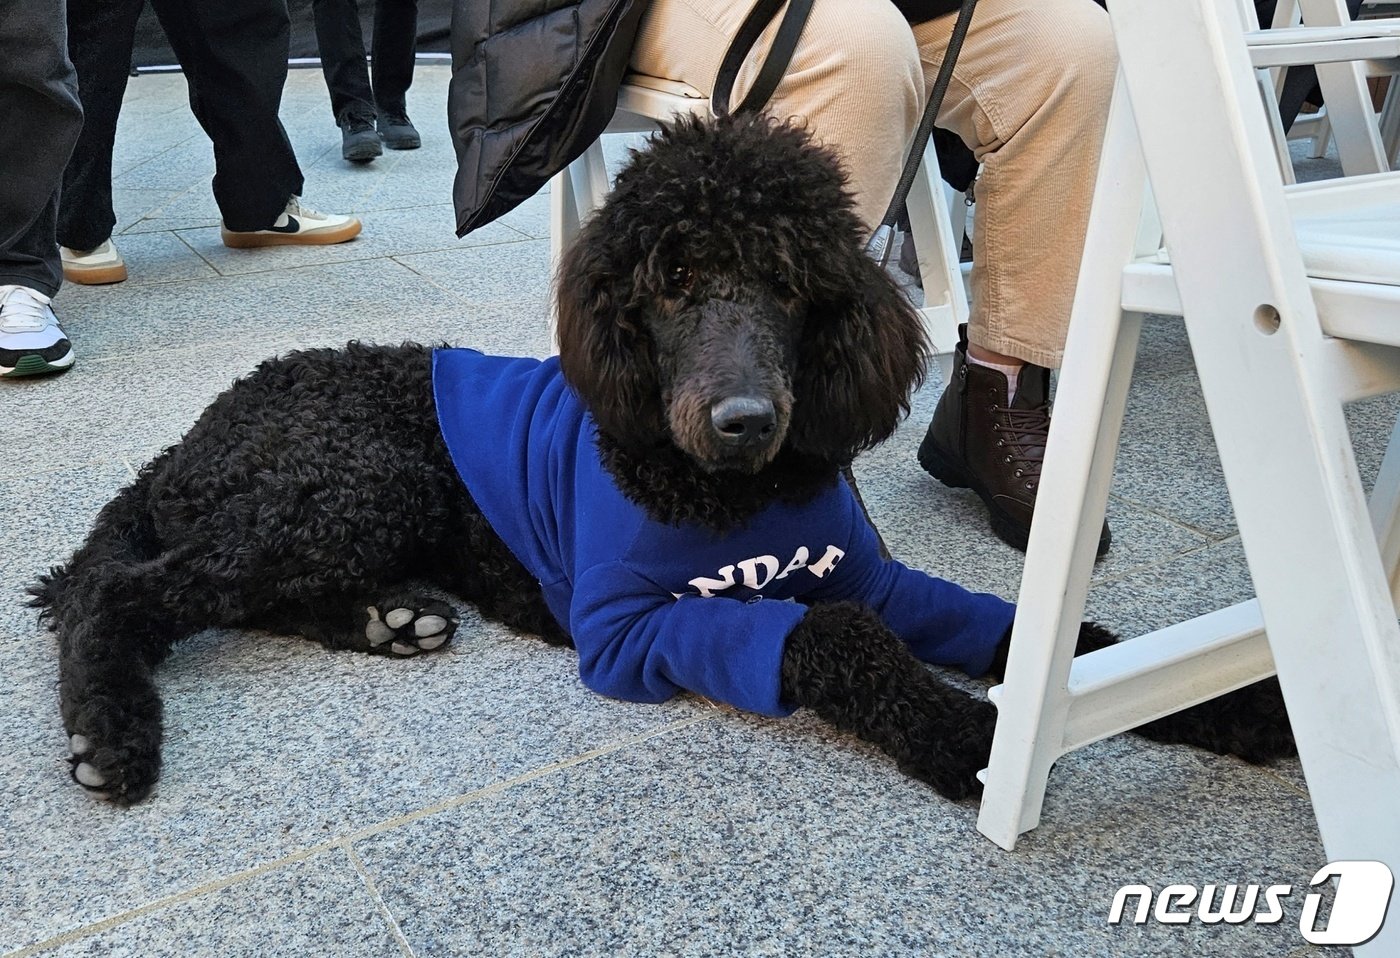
(1022, 433)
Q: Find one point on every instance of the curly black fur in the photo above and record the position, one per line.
(726, 264)
(844, 664)
(748, 212)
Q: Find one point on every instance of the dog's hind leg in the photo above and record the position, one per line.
(396, 623)
(117, 608)
(483, 570)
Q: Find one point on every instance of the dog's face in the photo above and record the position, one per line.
(721, 301)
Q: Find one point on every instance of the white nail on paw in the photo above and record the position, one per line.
(373, 612)
(432, 642)
(399, 618)
(78, 744)
(88, 776)
(378, 633)
(404, 648)
(429, 625)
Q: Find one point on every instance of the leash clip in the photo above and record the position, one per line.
(881, 245)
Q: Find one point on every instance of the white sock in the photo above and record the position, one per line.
(1010, 372)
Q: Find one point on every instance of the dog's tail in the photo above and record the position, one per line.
(105, 605)
(123, 535)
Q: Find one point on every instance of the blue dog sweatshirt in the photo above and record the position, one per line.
(655, 608)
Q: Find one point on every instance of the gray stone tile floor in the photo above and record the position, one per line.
(480, 801)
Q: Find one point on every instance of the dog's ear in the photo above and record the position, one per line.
(864, 352)
(605, 353)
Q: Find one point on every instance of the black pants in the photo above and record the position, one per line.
(39, 122)
(342, 46)
(234, 56)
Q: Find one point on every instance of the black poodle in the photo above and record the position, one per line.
(666, 496)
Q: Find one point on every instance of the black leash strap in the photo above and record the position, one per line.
(774, 65)
(882, 243)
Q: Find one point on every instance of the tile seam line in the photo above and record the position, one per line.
(380, 904)
(276, 342)
(291, 342)
(218, 884)
(1210, 535)
(1145, 566)
(63, 467)
(219, 274)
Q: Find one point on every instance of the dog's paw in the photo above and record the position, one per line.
(114, 760)
(1251, 723)
(407, 626)
(950, 754)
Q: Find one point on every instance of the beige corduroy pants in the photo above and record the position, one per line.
(1029, 95)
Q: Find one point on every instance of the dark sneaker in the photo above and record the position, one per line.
(977, 442)
(399, 132)
(31, 342)
(359, 143)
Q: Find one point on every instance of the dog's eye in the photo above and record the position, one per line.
(780, 279)
(680, 277)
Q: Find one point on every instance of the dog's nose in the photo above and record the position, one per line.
(743, 420)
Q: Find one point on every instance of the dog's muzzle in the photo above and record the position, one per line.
(742, 422)
(729, 401)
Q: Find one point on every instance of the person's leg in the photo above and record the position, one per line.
(342, 49)
(860, 91)
(395, 46)
(1030, 95)
(234, 54)
(42, 116)
(395, 43)
(101, 34)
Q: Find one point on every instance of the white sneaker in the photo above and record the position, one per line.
(96, 267)
(31, 343)
(297, 226)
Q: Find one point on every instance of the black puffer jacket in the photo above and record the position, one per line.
(534, 82)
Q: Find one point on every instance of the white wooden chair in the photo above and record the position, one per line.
(1291, 299)
(1366, 142)
(935, 222)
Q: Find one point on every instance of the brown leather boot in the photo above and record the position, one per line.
(975, 442)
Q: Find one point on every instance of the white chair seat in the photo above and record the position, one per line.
(1349, 229)
(1359, 249)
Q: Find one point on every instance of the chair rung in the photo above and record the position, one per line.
(1141, 679)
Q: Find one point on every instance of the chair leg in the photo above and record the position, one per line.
(945, 298)
(563, 227)
(1285, 158)
(1033, 702)
(1390, 121)
(573, 194)
(1385, 511)
(1323, 590)
(1350, 115)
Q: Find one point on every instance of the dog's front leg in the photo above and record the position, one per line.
(843, 663)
